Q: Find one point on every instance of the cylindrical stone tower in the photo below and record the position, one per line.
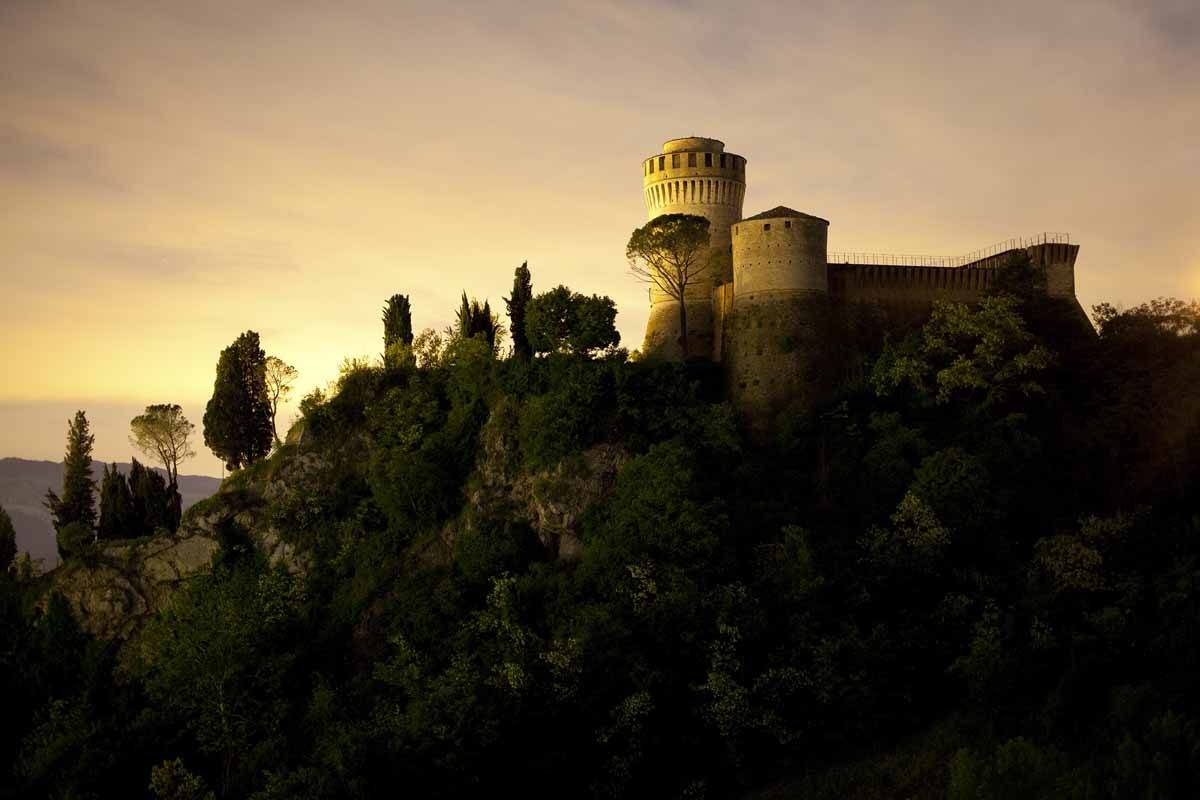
(780, 293)
(779, 253)
(693, 175)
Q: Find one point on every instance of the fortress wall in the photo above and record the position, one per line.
(909, 292)
(772, 354)
(662, 329)
(1058, 261)
(722, 307)
(780, 282)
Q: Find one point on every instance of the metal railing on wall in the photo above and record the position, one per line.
(900, 260)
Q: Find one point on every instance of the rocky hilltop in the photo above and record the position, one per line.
(973, 572)
(23, 485)
(117, 588)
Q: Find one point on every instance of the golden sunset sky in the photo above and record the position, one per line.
(174, 173)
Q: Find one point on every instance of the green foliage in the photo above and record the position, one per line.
(397, 321)
(562, 321)
(116, 507)
(980, 356)
(473, 319)
(974, 572)
(153, 504)
(1017, 768)
(75, 539)
(237, 419)
(214, 662)
(671, 253)
(8, 542)
(517, 304)
(163, 432)
(171, 780)
(78, 501)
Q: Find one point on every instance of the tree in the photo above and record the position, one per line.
(153, 503)
(116, 506)
(8, 542)
(516, 303)
(75, 539)
(983, 357)
(78, 502)
(163, 432)
(473, 319)
(397, 321)
(671, 252)
(280, 377)
(564, 321)
(237, 420)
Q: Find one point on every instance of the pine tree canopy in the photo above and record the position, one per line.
(78, 501)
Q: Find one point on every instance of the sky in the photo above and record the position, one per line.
(175, 173)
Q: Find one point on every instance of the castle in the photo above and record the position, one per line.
(755, 309)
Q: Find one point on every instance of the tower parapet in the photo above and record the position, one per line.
(693, 175)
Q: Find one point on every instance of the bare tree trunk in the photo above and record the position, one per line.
(683, 333)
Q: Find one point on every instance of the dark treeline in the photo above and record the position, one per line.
(973, 572)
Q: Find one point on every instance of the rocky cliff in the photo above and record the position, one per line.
(123, 583)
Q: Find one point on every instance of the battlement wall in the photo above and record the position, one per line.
(916, 286)
(886, 282)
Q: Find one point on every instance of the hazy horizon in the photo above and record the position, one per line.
(179, 173)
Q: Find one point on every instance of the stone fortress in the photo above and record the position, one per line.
(756, 310)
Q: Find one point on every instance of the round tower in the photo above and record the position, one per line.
(779, 253)
(693, 175)
(780, 293)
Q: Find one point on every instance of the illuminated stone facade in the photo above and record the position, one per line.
(759, 309)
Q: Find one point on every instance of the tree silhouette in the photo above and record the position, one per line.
(78, 501)
(473, 319)
(280, 377)
(397, 321)
(163, 432)
(116, 506)
(237, 420)
(517, 303)
(671, 252)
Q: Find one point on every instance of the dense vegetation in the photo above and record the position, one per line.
(974, 572)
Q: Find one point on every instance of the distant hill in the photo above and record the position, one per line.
(23, 486)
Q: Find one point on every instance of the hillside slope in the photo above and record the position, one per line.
(973, 572)
(23, 485)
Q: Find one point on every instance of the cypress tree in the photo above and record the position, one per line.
(8, 541)
(78, 501)
(474, 319)
(151, 507)
(237, 420)
(116, 506)
(397, 321)
(522, 293)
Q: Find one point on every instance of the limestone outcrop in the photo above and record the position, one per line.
(551, 501)
(120, 586)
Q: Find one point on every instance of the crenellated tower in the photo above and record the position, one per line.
(771, 309)
(693, 175)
